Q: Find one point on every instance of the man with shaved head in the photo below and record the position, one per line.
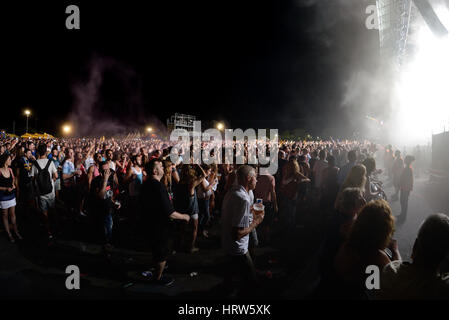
(238, 222)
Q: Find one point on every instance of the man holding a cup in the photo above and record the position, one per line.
(239, 219)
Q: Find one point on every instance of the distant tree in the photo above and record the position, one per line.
(286, 135)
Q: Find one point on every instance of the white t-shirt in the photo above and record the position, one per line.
(236, 213)
(111, 165)
(51, 169)
(88, 163)
(203, 194)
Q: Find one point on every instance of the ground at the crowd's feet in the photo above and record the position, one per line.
(35, 268)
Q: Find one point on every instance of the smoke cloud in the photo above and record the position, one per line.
(110, 101)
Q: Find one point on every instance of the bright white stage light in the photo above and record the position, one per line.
(423, 90)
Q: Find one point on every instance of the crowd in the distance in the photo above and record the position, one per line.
(106, 181)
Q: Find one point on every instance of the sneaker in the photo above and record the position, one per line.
(82, 214)
(147, 274)
(164, 281)
(195, 249)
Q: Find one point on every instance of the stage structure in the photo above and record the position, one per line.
(394, 22)
(180, 121)
(440, 152)
(394, 25)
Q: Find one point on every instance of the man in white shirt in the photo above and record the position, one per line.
(238, 222)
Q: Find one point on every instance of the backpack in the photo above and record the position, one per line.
(43, 179)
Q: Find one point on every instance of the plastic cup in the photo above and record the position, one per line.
(258, 208)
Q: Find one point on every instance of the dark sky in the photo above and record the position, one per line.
(259, 64)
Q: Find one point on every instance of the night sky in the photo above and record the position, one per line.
(259, 64)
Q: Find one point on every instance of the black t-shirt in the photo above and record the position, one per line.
(25, 166)
(156, 204)
(105, 205)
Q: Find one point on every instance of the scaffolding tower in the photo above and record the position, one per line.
(394, 22)
(180, 121)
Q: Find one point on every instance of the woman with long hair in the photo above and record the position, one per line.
(8, 197)
(135, 175)
(289, 190)
(356, 179)
(370, 234)
(205, 191)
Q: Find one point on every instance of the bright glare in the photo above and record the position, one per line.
(27, 112)
(423, 90)
(67, 129)
(220, 126)
(149, 129)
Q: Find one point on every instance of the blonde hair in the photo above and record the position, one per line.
(356, 178)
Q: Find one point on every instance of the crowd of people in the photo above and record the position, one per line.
(106, 180)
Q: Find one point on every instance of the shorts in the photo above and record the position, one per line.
(194, 216)
(46, 203)
(58, 185)
(159, 246)
(8, 204)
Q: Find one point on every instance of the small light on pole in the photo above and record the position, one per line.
(220, 126)
(27, 113)
(149, 129)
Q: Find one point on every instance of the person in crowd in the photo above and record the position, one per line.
(103, 203)
(93, 170)
(54, 156)
(312, 160)
(406, 186)
(344, 171)
(389, 160)
(292, 178)
(204, 191)
(170, 177)
(423, 278)
(69, 174)
(110, 159)
(44, 175)
(318, 169)
(370, 235)
(7, 197)
(134, 178)
(304, 166)
(186, 201)
(157, 213)
(81, 183)
(214, 179)
(355, 179)
(398, 166)
(329, 186)
(238, 221)
(266, 190)
(25, 187)
(370, 165)
(121, 165)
